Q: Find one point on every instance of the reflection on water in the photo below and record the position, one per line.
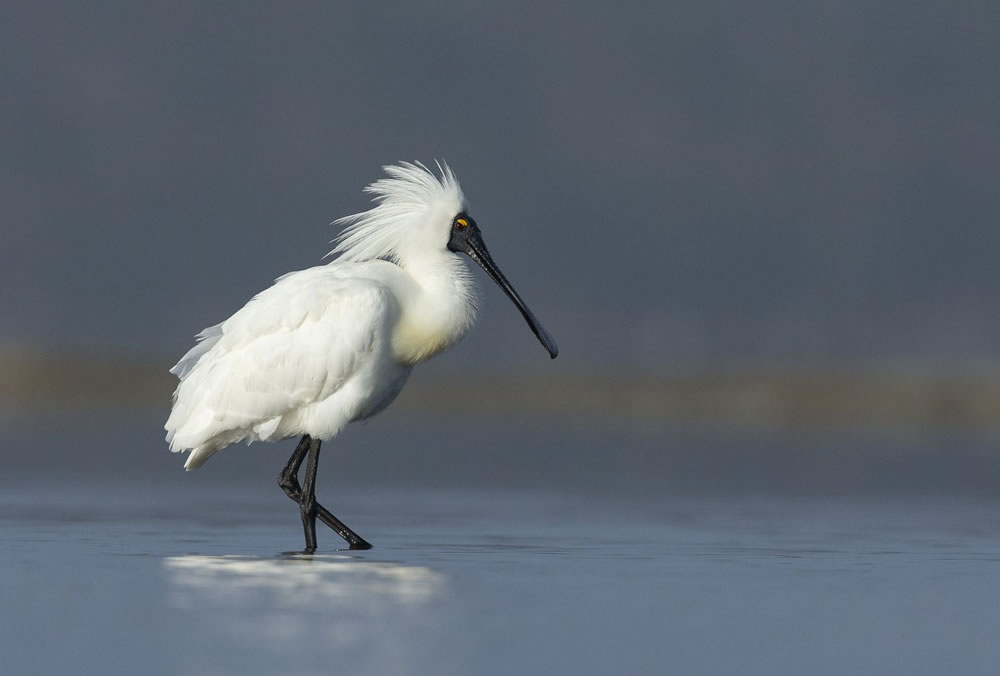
(300, 582)
(292, 605)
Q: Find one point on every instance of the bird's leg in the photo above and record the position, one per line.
(289, 482)
(354, 540)
(289, 477)
(307, 504)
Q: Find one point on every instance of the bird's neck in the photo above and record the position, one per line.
(438, 308)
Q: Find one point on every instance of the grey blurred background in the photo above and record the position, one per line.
(776, 216)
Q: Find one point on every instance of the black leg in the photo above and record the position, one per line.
(307, 505)
(289, 482)
(289, 477)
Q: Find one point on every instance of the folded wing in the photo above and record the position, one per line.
(262, 373)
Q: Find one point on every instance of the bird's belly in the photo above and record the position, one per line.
(386, 394)
(364, 396)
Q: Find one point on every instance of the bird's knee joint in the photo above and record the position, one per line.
(289, 485)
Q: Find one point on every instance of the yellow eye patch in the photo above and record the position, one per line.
(461, 222)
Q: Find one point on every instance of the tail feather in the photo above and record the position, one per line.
(198, 457)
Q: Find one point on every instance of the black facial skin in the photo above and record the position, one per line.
(468, 240)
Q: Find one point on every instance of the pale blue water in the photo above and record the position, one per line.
(460, 584)
(502, 547)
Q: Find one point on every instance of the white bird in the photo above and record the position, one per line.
(334, 344)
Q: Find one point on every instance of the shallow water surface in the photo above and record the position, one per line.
(159, 581)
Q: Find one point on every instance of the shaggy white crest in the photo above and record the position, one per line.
(413, 212)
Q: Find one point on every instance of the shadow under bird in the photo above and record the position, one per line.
(336, 343)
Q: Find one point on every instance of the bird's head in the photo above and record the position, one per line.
(412, 217)
(417, 215)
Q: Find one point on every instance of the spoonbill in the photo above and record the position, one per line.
(334, 344)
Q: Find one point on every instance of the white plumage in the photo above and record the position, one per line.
(306, 356)
(336, 343)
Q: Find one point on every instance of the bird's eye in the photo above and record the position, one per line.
(461, 223)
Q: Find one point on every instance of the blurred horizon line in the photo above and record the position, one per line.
(771, 395)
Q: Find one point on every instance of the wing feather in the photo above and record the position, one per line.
(292, 346)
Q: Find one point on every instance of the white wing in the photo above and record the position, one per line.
(284, 364)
